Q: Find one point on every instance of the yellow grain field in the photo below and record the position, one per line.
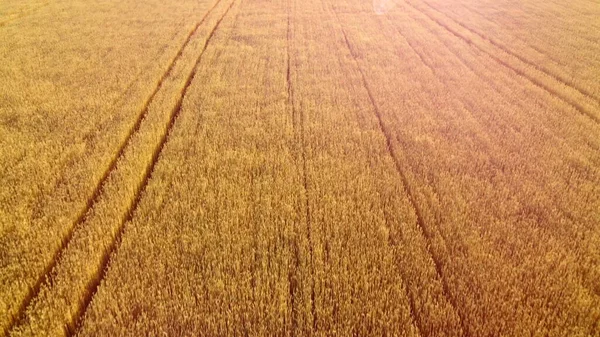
(300, 168)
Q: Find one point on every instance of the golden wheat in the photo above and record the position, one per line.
(299, 168)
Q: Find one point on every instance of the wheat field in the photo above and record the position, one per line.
(300, 168)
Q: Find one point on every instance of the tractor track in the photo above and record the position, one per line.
(299, 125)
(410, 194)
(293, 273)
(97, 192)
(584, 110)
(147, 174)
(558, 78)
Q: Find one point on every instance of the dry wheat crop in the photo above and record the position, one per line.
(300, 168)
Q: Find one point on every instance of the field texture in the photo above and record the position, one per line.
(300, 168)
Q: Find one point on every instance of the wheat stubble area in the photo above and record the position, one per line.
(300, 168)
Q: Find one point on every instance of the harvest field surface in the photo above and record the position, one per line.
(300, 168)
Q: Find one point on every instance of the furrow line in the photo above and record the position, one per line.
(412, 47)
(416, 318)
(288, 77)
(293, 272)
(493, 85)
(553, 92)
(547, 54)
(88, 137)
(119, 101)
(147, 175)
(409, 191)
(558, 78)
(34, 291)
(305, 183)
(149, 170)
(511, 99)
(293, 286)
(309, 230)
